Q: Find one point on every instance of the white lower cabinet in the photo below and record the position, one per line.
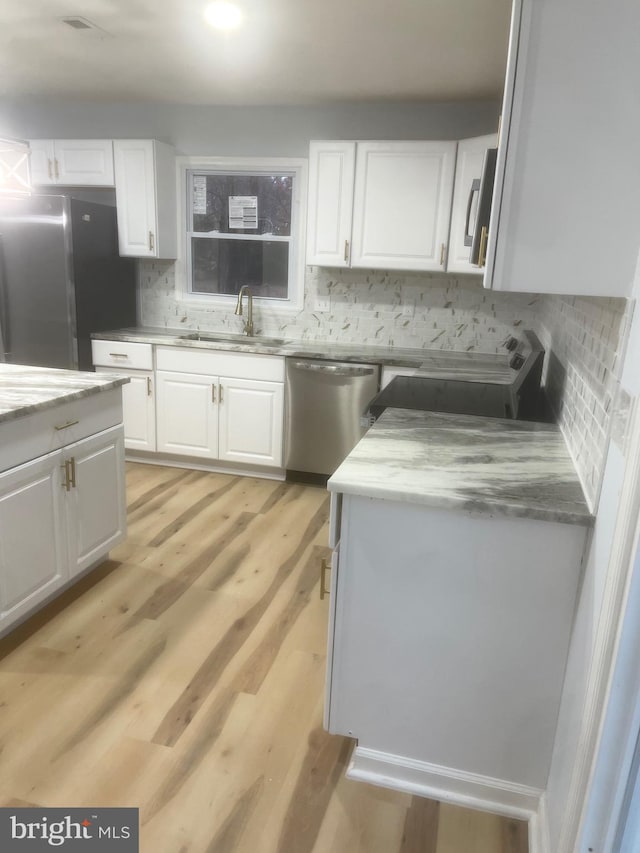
(32, 536)
(250, 421)
(59, 514)
(187, 414)
(139, 408)
(95, 499)
(202, 403)
(212, 417)
(448, 640)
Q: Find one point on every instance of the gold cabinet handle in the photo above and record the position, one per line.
(482, 253)
(151, 241)
(57, 170)
(213, 392)
(149, 389)
(346, 250)
(220, 393)
(66, 485)
(118, 355)
(72, 466)
(442, 255)
(50, 168)
(324, 568)
(66, 426)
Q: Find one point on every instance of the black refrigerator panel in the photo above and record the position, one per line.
(36, 297)
(105, 283)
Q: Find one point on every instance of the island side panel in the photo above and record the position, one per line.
(451, 636)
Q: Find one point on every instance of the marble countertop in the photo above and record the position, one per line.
(484, 465)
(469, 366)
(25, 389)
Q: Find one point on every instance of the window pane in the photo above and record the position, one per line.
(211, 194)
(223, 266)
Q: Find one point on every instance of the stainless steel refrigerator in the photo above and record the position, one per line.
(61, 279)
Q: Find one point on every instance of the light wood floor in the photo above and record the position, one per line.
(185, 677)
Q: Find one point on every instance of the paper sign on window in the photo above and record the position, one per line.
(199, 194)
(243, 211)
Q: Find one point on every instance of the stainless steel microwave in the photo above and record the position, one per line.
(476, 230)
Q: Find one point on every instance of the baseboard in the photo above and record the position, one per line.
(446, 784)
(214, 467)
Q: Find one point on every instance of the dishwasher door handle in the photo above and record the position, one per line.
(334, 369)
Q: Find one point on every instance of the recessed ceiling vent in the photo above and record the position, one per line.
(76, 22)
(79, 23)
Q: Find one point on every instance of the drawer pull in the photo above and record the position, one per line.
(148, 386)
(220, 393)
(324, 568)
(213, 392)
(72, 466)
(118, 355)
(49, 169)
(66, 426)
(151, 241)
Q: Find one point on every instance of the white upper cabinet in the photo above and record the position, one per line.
(72, 162)
(466, 189)
(566, 210)
(145, 177)
(331, 174)
(402, 204)
(380, 205)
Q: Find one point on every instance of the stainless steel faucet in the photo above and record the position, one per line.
(248, 326)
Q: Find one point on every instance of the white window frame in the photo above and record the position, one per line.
(266, 165)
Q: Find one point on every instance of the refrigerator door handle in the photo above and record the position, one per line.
(4, 306)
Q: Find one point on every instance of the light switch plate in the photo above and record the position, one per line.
(323, 304)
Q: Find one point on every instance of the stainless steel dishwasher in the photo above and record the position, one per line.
(326, 404)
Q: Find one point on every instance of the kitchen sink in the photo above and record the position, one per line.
(231, 338)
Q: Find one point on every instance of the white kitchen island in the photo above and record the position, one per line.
(457, 550)
(62, 488)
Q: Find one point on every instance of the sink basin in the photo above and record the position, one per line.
(231, 338)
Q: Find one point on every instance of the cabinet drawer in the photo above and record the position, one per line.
(46, 430)
(236, 365)
(122, 354)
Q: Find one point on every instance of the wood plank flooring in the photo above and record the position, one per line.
(185, 677)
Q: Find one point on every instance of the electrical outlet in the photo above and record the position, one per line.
(407, 309)
(323, 304)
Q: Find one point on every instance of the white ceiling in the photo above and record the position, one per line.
(287, 52)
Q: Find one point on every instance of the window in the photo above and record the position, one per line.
(243, 228)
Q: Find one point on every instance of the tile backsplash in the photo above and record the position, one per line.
(584, 338)
(368, 307)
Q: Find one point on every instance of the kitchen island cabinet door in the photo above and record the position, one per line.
(32, 543)
(187, 414)
(251, 416)
(402, 205)
(96, 502)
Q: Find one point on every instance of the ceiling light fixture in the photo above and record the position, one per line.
(223, 15)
